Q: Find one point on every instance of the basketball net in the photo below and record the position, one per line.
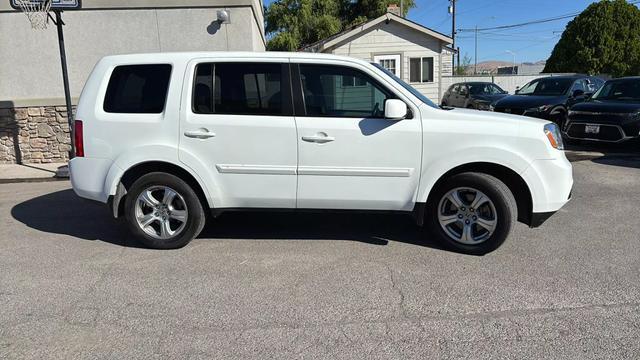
(37, 12)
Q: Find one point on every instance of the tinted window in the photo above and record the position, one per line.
(620, 90)
(594, 84)
(325, 94)
(549, 86)
(138, 89)
(484, 89)
(238, 88)
(578, 85)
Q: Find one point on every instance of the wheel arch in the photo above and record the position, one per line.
(136, 171)
(516, 184)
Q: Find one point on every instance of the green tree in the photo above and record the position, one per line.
(291, 24)
(461, 69)
(603, 39)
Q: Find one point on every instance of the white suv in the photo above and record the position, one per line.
(166, 139)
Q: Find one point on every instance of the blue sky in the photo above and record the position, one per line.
(530, 43)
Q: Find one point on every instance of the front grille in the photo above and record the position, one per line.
(611, 133)
(515, 111)
(594, 117)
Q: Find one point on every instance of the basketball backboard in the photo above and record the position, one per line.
(55, 4)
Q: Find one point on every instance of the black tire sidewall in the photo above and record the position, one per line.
(506, 211)
(195, 218)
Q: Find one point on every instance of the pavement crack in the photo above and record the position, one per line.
(396, 286)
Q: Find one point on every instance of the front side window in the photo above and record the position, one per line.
(548, 86)
(140, 89)
(324, 92)
(421, 69)
(578, 85)
(619, 90)
(238, 89)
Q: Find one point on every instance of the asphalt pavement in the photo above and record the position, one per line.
(74, 284)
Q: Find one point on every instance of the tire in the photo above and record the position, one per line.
(501, 211)
(151, 199)
(559, 116)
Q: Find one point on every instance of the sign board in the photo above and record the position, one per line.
(55, 4)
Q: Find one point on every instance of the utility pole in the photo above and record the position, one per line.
(452, 10)
(402, 8)
(475, 67)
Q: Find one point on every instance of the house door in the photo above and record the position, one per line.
(389, 62)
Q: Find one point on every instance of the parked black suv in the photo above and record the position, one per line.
(473, 95)
(549, 97)
(612, 114)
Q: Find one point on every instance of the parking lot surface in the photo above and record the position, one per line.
(73, 284)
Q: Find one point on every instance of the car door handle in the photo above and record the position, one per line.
(199, 134)
(319, 138)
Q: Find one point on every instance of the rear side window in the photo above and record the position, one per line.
(138, 89)
(238, 89)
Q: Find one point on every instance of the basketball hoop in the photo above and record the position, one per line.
(37, 12)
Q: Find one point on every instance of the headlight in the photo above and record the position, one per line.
(540, 109)
(553, 135)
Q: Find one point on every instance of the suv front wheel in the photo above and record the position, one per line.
(163, 211)
(472, 213)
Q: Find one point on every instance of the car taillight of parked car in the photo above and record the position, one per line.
(78, 138)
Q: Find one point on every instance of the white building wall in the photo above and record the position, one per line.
(506, 82)
(391, 39)
(30, 72)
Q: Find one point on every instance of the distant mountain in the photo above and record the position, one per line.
(491, 66)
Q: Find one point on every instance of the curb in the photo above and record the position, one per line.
(32, 180)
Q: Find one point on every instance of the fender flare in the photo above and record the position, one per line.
(138, 156)
(434, 172)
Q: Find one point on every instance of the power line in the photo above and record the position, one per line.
(532, 22)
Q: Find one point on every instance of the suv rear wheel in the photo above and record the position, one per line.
(472, 213)
(163, 211)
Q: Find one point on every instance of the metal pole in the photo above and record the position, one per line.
(475, 67)
(65, 79)
(453, 36)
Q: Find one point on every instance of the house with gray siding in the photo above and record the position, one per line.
(415, 53)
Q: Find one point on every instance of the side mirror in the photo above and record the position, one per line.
(517, 90)
(577, 93)
(395, 109)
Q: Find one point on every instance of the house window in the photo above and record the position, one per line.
(421, 70)
(353, 81)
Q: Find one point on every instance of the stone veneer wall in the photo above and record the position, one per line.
(34, 135)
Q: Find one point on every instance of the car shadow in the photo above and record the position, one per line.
(623, 155)
(63, 212)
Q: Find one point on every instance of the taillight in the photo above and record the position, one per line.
(78, 138)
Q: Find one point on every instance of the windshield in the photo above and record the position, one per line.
(410, 88)
(619, 90)
(484, 89)
(547, 87)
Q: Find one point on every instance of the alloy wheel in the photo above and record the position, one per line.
(161, 212)
(467, 215)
